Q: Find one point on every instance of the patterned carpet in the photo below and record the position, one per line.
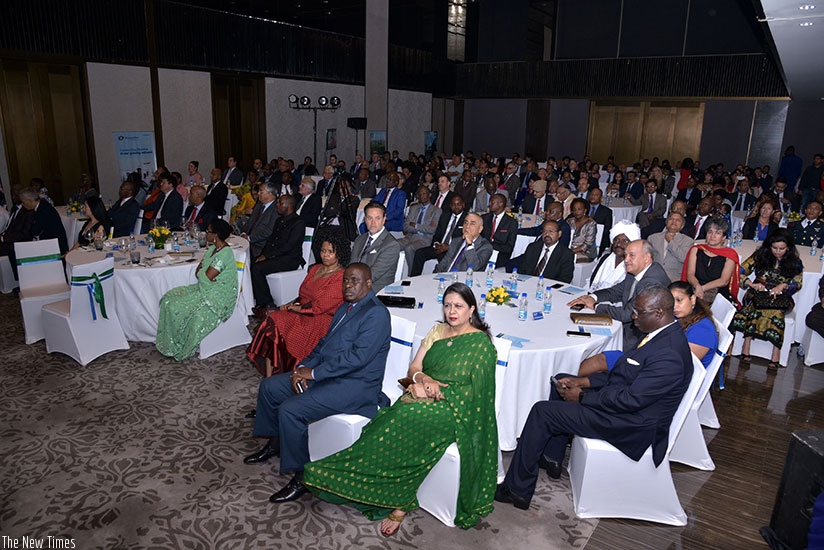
(138, 451)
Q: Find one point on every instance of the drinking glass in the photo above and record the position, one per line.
(134, 256)
(98, 243)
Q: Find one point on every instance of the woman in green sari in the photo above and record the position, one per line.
(450, 398)
(189, 313)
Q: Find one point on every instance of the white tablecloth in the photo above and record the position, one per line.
(72, 224)
(623, 210)
(138, 290)
(549, 350)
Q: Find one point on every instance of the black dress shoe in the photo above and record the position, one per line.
(503, 494)
(293, 490)
(262, 455)
(251, 414)
(553, 469)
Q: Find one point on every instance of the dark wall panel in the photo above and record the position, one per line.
(495, 125)
(719, 27)
(726, 132)
(767, 132)
(804, 130)
(652, 28)
(537, 128)
(499, 41)
(587, 29)
(568, 125)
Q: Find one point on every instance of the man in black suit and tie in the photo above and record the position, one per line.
(547, 257)
(217, 191)
(601, 214)
(630, 407)
(696, 225)
(356, 167)
(742, 199)
(324, 187)
(618, 301)
(690, 195)
(198, 212)
(471, 250)
(282, 252)
(450, 226)
(124, 212)
(43, 223)
(309, 203)
(18, 228)
(500, 229)
(233, 175)
(168, 206)
(787, 200)
(537, 202)
(444, 196)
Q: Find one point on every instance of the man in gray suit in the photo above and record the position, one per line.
(420, 224)
(671, 246)
(619, 301)
(653, 205)
(262, 221)
(472, 249)
(377, 248)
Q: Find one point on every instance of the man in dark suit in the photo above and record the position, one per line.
(742, 199)
(618, 301)
(356, 167)
(510, 181)
(168, 207)
(18, 228)
(547, 257)
(233, 175)
(470, 250)
(653, 205)
(634, 187)
(696, 224)
(500, 229)
(811, 228)
(283, 252)
(198, 212)
(324, 186)
(262, 220)
(420, 225)
(394, 199)
(787, 200)
(656, 226)
(538, 201)
(444, 196)
(630, 407)
(450, 226)
(125, 211)
(690, 195)
(601, 214)
(309, 204)
(377, 248)
(217, 191)
(343, 374)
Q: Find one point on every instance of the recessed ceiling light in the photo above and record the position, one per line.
(806, 24)
(806, 7)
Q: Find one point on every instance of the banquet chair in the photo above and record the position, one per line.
(232, 332)
(138, 223)
(399, 271)
(337, 432)
(285, 286)
(763, 349)
(814, 345)
(723, 312)
(608, 484)
(42, 281)
(86, 325)
(7, 280)
(438, 494)
(690, 447)
(599, 234)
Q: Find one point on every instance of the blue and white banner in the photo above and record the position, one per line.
(135, 153)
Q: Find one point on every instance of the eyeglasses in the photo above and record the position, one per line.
(639, 312)
(215, 233)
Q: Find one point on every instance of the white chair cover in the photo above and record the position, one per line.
(690, 447)
(763, 348)
(814, 345)
(337, 432)
(608, 484)
(7, 280)
(85, 326)
(399, 271)
(285, 286)
(438, 494)
(42, 281)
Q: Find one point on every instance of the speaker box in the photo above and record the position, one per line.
(357, 123)
(801, 483)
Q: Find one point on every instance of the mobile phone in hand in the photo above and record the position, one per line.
(577, 307)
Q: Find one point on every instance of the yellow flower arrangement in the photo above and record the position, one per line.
(159, 235)
(498, 295)
(75, 206)
(793, 216)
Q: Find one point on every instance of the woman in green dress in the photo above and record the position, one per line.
(189, 313)
(450, 398)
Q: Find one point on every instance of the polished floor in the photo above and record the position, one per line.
(758, 412)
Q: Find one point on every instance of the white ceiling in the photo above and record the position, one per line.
(800, 48)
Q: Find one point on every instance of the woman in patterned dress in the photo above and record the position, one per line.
(778, 269)
(450, 398)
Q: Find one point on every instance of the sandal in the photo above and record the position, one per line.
(745, 359)
(392, 517)
(774, 365)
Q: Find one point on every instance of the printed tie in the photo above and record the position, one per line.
(649, 210)
(697, 227)
(542, 263)
(365, 248)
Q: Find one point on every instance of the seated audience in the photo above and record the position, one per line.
(691, 195)
(742, 199)
(189, 313)
(601, 214)
(243, 210)
(450, 226)
(394, 200)
(97, 226)
(18, 228)
(420, 225)
(500, 229)
(778, 271)
(258, 228)
(288, 334)
(631, 407)
(377, 248)
(811, 228)
(547, 257)
(584, 232)
(309, 202)
(537, 202)
(653, 205)
(472, 250)
(712, 268)
(217, 190)
(123, 213)
(787, 200)
(198, 212)
(761, 224)
(610, 269)
(695, 226)
(450, 398)
(671, 246)
(168, 206)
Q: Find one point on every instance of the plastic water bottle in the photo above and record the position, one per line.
(513, 281)
(441, 289)
(469, 274)
(186, 240)
(150, 242)
(755, 236)
(539, 292)
(522, 307)
(821, 258)
(548, 300)
(482, 307)
(814, 248)
(520, 216)
(132, 242)
(175, 243)
(455, 275)
(490, 275)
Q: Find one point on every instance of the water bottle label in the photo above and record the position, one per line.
(539, 295)
(522, 315)
(547, 307)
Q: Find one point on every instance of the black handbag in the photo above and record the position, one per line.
(763, 300)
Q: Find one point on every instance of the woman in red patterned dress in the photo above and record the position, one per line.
(288, 334)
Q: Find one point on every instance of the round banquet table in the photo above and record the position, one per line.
(71, 223)
(548, 350)
(623, 210)
(138, 289)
